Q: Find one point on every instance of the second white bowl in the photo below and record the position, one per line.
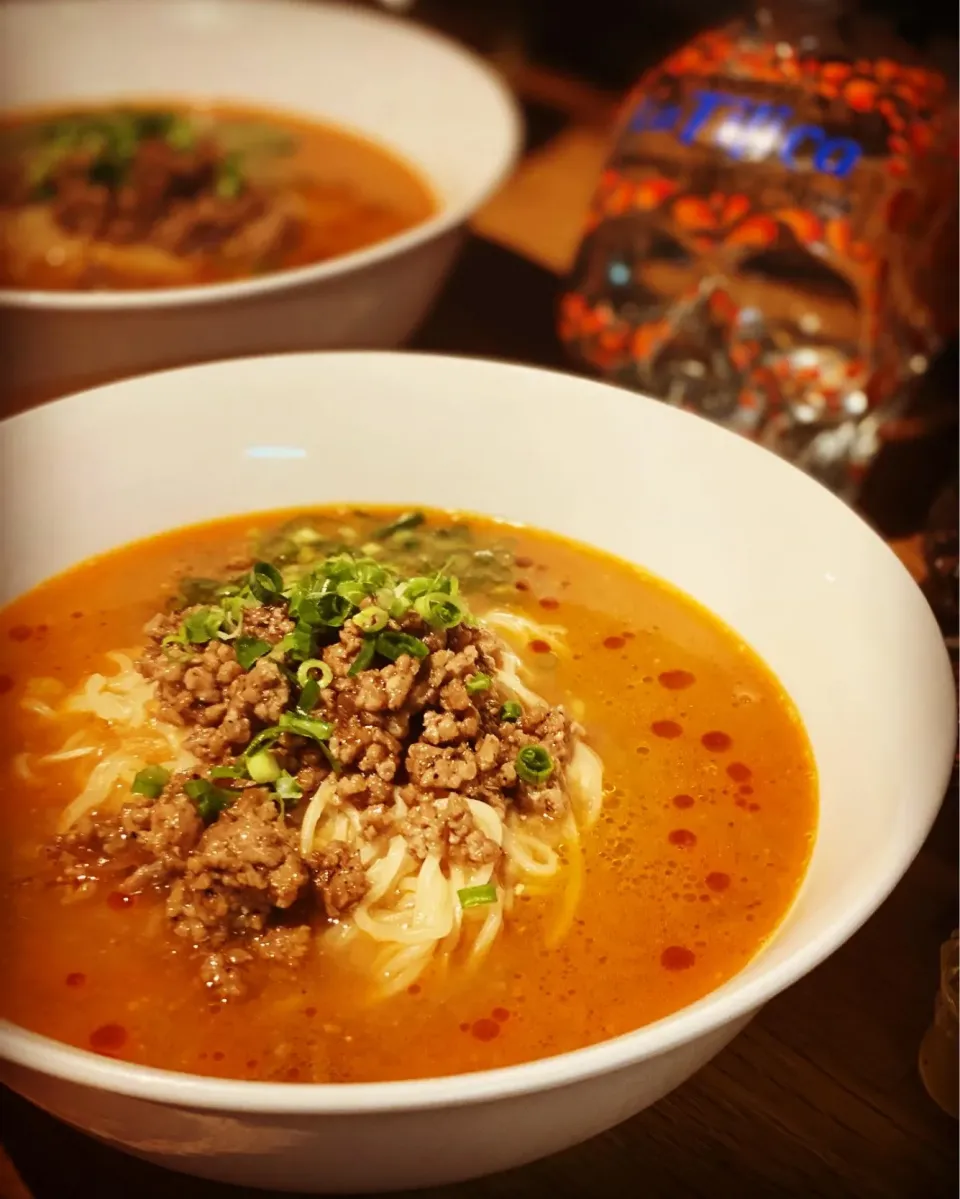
(419, 95)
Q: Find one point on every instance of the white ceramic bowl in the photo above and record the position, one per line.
(437, 106)
(795, 572)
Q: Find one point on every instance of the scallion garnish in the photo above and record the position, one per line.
(317, 730)
(409, 520)
(307, 699)
(352, 591)
(266, 582)
(439, 610)
(263, 738)
(365, 657)
(228, 772)
(391, 645)
(249, 649)
(210, 801)
(511, 711)
(330, 609)
(473, 897)
(335, 764)
(286, 787)
(534, 764)
(299, 643)
(315, 670)
(263, 767)
(478, 682)
(201, 625)
(371, 619)
(150, 781)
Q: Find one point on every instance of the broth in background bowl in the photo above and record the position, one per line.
(104, 279)
(739, 578)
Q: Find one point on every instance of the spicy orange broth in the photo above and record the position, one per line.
(707, 828)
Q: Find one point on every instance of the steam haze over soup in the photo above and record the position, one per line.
(352, 796)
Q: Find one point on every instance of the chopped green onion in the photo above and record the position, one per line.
(298, 644)
(511, 711)
(365, 657)
(307, 699)
(534, 764)
(414, 588)
(150, 781)
(373, 576)
(249, 649)
(210, 801)
(335, 763)
(340, 568)
(409, 520)
(228, 772)
(371, 619)
(266, 582)
(262, 739)
(473, 897)
(391, 645)
(229, 182)
(355, 592)
(318, 730)
(201, 626)
(331, 610)
(439, 610)
(181, 134)
(263, 767)
(287, 787)
(324, 674)
(477, 683)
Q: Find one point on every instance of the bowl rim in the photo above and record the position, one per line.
(736, 1000)
(447, 217)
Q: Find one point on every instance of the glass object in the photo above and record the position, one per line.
(763, 244)
(939, 1049)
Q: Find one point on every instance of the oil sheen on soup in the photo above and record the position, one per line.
(366, 795)
(170, 195)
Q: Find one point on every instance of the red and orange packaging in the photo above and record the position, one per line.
(773, 240)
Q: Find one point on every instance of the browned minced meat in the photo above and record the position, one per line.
(239, 888)
(169, 200)
(446, 827)
(338, 878)
(207, 688)
(245, 864)
(151, 837)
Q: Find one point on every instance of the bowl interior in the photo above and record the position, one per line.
(797, 574)
(408, 89)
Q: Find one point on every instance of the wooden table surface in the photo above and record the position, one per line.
(820, 1096)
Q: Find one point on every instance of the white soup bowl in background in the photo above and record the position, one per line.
(415, 93)
(784, 563)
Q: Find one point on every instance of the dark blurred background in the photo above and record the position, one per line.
(607, 42)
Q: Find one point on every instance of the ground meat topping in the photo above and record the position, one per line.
(446, 827)
(338, 878)
(385, 719)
